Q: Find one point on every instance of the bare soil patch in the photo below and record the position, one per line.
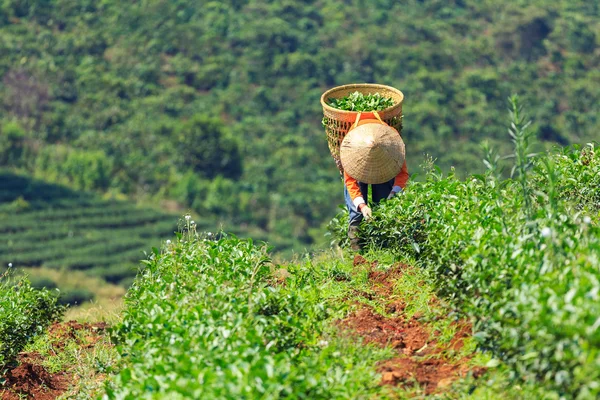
(407, 337)
(419, 359)
(30, 380)
(383, 281)
(61, 332)
(431, 374)
(359, 260)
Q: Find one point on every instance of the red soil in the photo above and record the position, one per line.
(60, 333)
(419, 360)
(31, 380)
(360, 260)
(431, 374)
(407, 337)
(383, 281)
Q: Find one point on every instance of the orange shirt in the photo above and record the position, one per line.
(354, 190)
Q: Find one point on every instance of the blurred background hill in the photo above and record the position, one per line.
(213, 107)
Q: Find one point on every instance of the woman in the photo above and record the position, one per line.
(372, 153)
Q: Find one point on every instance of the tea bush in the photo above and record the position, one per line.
(520, 256)
(582, 168)
(210, 314)
(24, 313)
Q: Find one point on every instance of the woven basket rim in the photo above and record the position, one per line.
(361, 87)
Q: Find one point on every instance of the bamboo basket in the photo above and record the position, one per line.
(338, 122)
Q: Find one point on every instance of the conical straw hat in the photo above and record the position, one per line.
(372, 153)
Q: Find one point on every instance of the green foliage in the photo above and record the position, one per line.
(337, 228)
(86, 170)
(580, 163)
(24, 313)
(49, 225)
(521, 136)
(143, 94)
(191, 189)
(207, 149)
(75, 296)
(12, 138)
(211, 313)
(359, 102)
(519, 256)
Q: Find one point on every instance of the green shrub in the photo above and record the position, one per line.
(519, 256)
(88, 170)
(24, 313)
(205, 146)
(207, 313)
(582, 167)
(12, 139)
(38, 282)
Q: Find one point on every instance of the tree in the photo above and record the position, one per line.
(12, 138)
(208, 149)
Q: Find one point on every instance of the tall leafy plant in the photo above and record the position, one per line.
(524, 161)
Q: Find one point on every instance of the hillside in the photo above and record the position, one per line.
(215, 105)
(53, 226)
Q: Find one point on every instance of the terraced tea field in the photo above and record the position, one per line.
(52, 226)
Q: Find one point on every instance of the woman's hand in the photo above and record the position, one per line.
(366, 211)
(395, 190)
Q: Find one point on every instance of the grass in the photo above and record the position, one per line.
(108, 298)
(88, 361)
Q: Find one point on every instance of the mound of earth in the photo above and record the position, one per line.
(31, 380)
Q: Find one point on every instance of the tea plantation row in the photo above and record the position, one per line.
(207, 320)
(52, 226)
(521, 257)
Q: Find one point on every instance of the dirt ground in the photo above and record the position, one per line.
(30, 380)
(418, 360)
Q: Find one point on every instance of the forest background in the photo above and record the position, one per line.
(213, 107)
